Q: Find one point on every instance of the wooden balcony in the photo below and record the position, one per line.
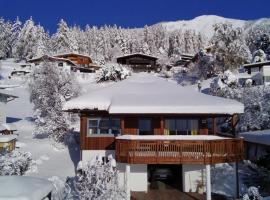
(178, 149)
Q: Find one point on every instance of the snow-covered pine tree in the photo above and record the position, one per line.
(15, 32)
(230, 48)
(5, 38)
(25, 46)
(42, 42)
(64, 40)
(50, 87)
(98, 180)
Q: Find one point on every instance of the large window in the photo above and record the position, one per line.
(104, 125)
(145, 127)
(181, 126)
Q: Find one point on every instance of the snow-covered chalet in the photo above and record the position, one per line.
(157, 129)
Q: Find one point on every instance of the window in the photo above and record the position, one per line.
(180, 126)
(255, 69)
(104, 125)
(115, 126)
(93, 126)
(170, 128)
(60, 64)
(145, 127)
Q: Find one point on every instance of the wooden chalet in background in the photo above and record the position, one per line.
(70, 61)
(84, 62)
(139, 62)
(149, 123)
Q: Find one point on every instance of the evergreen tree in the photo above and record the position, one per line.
(50, 87)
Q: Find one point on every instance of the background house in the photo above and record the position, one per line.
(61, 62)
(83, 62)
(139, 62)
(260, 72)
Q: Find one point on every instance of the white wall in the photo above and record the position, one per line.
(138, 176)
(192, 174)
(266, 70)
(88, 155)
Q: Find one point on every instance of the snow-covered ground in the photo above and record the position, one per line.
(50, 160)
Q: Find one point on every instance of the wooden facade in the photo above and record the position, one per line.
(209, 152)
(76, 58)
(139, 62)
(84, 63)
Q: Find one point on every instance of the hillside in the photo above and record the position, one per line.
(204, 24)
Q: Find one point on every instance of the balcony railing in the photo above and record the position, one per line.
(178, 149)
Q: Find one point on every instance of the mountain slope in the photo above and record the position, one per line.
(204, 24)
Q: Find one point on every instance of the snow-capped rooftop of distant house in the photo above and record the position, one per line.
(202, 24)
(5, 126)
(24, 188)
(243, 75)
(147, 93)
(47, 57)
(71, 53)
(4, 86)
(170, 137)
(137, 54)
(6, 94)
(7, 138)
(257, 64)
(260, 137)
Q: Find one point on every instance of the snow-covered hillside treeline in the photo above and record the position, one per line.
(255, 98)
(28, 40)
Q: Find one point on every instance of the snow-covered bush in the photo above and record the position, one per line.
(50, 87)
(222, 81)
(252, 194)
(98, 180)
(14, 163)
(259, 56)
(61, 189)
(112, 72)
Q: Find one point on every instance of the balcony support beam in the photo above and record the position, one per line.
(128, 181)
(208, 182)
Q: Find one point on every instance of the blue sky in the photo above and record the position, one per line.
(128, 13)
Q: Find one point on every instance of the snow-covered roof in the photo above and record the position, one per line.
(170, 137)
(71, 53)
(257, 64)
(137, 54)
(24, 188)
(9, 127)
(47, 57)
(260, 137)
(2, 86)
(7, 138)
(147, 93)
(243, 75)
(9, 97)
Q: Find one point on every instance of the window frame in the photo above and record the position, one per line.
(98, 133)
